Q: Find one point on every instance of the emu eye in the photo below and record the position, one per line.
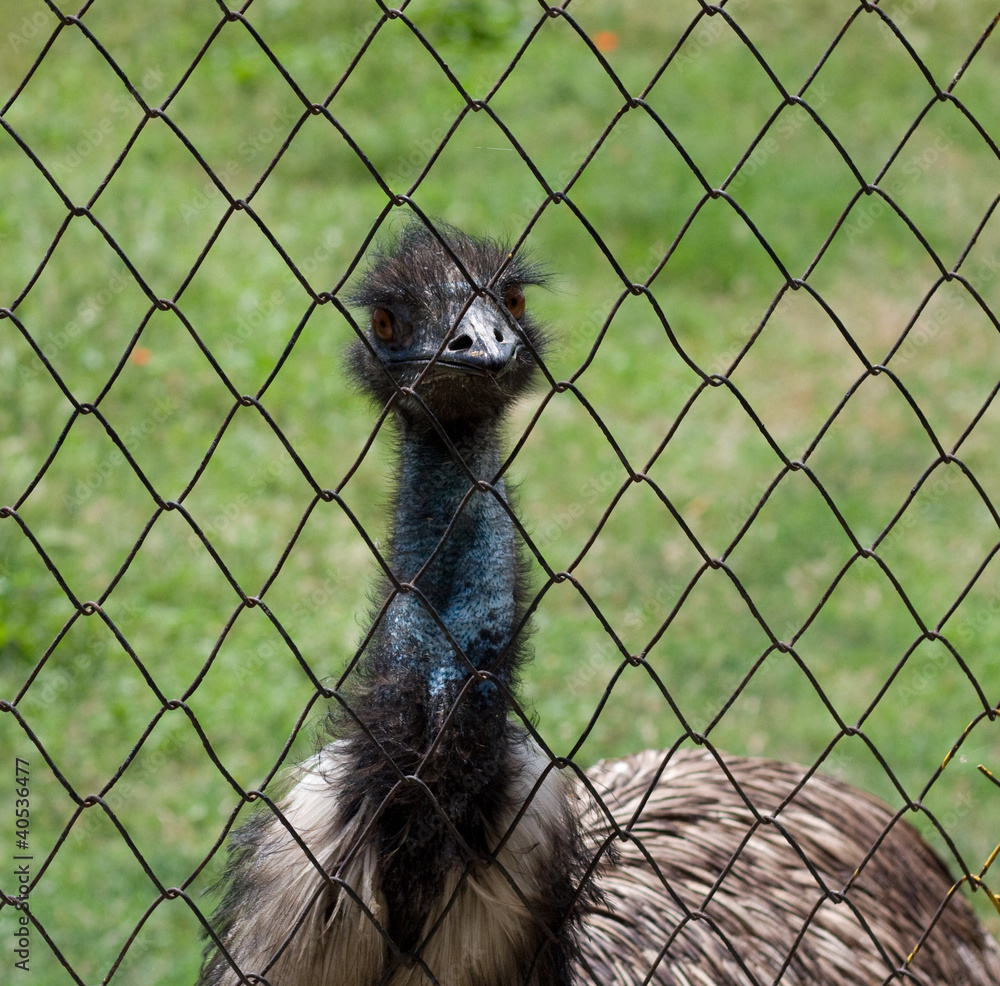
(382, 324)
(514, 300)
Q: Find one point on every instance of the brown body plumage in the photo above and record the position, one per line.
(712, 890)
(434, 842)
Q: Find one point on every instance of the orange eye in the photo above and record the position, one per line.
(514, 300)
(382, 324)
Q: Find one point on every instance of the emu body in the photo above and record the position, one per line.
(433, 842)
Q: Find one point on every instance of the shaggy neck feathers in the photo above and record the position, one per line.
(421, 709)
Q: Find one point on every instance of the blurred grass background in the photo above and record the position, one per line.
(87, 695)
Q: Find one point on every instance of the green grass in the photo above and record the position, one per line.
(97, 683)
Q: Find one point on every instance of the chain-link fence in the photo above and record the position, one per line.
(761, 482)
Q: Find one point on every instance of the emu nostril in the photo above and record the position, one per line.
(460, 343)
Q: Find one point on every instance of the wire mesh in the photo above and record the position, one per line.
(760, 481)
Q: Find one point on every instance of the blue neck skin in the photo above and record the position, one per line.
(471, 579)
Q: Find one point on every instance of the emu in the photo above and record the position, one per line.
(432, 841)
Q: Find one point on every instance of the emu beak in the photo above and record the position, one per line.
(482, 341)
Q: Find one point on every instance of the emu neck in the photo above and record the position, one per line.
(419, 707)
(455, 545)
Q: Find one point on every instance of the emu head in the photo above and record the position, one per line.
(448, 333)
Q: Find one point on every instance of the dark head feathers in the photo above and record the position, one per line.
(412, 268)
(448, 334)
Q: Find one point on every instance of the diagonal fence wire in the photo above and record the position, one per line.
(192, 498)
